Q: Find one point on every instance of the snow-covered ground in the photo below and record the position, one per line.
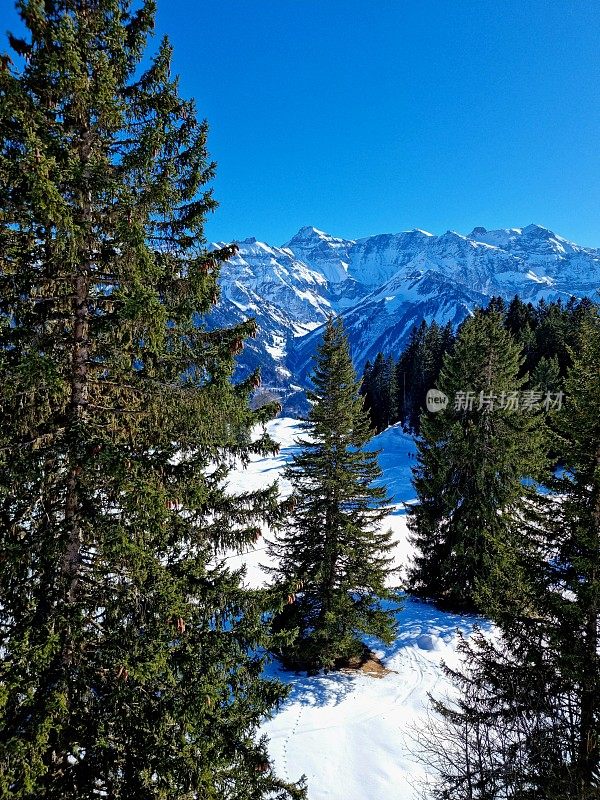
(352, 735)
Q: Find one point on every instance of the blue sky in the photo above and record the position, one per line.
(369, 116)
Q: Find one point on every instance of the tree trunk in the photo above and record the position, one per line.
(589, 750)
(79, 395)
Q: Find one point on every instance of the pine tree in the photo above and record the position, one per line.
(527, 721)
(438, 341)
(418, 370)
(410, 377)
(127, 648)
(370, 389)
(391, 392)
(496, 305)
(551, 335)
(472, 459)
(546, 375)
(380, 391)
(366, 379)
(331, 552)
(574, 596)
(519, 316)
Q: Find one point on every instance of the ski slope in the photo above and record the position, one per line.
(354, 736)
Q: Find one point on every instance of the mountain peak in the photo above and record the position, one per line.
(326, 254)
(537, 230)
(533, 231)
(478, 231)
(308, 233)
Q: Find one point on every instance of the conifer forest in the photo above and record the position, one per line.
(310, 522)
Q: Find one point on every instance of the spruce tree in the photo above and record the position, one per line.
(380, 392)
(128, 664)
(496, 305)
(418, 370)
(521, 320)
(331, 553)
(551, 335)
(527, 721)
(574, 579)
(410, 377)
(519, 316)
(472, 459)
(546, 377)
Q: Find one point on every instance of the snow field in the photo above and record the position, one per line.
(353, 735)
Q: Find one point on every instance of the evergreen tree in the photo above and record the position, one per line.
(519, 316)
(380, 391)
(331, 552)
(573, 598)
(368, 389)
(366, 381)
(527, 722)
(551, 335)
(418, 370)
(521, 321)
(580, 315)
(546, 375)
(496, 305)
(127, 649)
(472, 458)
(411, 379)
(391, 392)
(438, 341)
(581, 312)
(547, 335)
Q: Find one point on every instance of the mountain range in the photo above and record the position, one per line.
(382, 286)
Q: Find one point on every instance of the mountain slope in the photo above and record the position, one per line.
(353, 735)
(383, 285)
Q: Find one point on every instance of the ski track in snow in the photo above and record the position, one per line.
(352, 735)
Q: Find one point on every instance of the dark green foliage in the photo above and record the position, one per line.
(549, 331)
(380, 391)
(519, 316)
(411, 378)
(547, 334)
(546, 376)
(574, 578)
(125, 644)
(551, 335)
(395, 391)
(527, 725)
(472, 458)
(331, 554)
(424, 369)
(496, 305)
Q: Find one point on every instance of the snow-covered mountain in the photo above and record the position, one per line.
(383, 285)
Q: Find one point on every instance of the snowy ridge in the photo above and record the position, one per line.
(385, 284)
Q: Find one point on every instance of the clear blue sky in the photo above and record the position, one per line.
(369, 116)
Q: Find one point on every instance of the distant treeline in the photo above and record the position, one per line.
(395, 388)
